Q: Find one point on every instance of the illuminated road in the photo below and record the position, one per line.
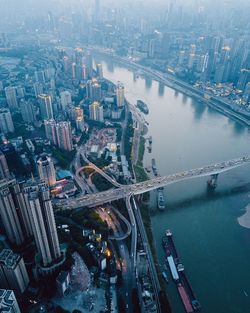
(81, 152)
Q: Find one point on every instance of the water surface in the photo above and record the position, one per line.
(213, 246)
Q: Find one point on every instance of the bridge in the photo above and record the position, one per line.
(124, 191)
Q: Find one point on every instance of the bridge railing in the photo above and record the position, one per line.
(122, 191)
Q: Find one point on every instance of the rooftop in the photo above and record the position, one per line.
(7, 300)
(9, 259)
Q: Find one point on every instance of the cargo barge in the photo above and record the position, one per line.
(165, 276)
(154, 167)
(142, 106)
(179, 276)
(149, 147)
(160, 199)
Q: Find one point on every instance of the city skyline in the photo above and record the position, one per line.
(124, 152)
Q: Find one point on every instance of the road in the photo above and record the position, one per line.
(109, 214)
(82, 153)
(134, 234)
(81, 182)
(122, 218)
(124, 125)
(114, 223)
(127, 272)
(146, 246)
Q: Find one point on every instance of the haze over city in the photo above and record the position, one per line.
(124, 156)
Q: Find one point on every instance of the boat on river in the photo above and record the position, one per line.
(189, 300)
(142, 106)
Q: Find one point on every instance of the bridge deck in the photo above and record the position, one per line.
(161, 181)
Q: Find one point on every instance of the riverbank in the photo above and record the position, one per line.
(140, 172)
(230, 110)
(141, 175)
(244, 220)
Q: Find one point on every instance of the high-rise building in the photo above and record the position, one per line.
(73, 70)
(11, 97)
(219, 74)
(49, 73)
(20, 91)
(66, 64)
(50, 130)
(46, 109)
(94, 92)
(6, 123)
(28, 111)
(13, 212)
(59, 133)
(9, 216)
(99, 71)
(4, 169)
(208, 65)
(43, 222)
(84, 72)
(79, 118)
(38, 89)
(151, 48)
(191, 61)
(216, 43)
(243, 79)
(246, 95)
(13, 273)
(51, 22)
(78, 55)
(89, 89)
(89, 64)
(40, 77)
(64, 135)
(120, 96)
(79, 72)
(8, 302)
(181, 57)
(65, 99)
(52, 83)
(46, 169)
(165, 45)
(192, 49)
(96, 112)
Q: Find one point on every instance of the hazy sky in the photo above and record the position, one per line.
(10, 7)
(43, 3)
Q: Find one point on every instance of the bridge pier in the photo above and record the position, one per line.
(212, 182)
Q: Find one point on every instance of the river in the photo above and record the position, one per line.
(212, 244)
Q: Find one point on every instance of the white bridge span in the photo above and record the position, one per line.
(160, 181)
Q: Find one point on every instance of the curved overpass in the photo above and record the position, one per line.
(99, 171)
(126, 222)
(99, 198)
